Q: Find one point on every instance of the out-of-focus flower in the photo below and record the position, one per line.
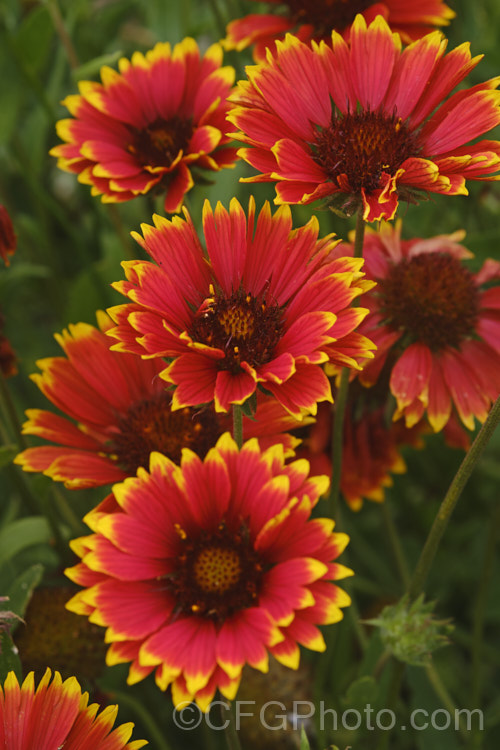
(150, 125)
(203, 568)
(263, 306)
(316, 19)
(8, 357)
(56, 714)
(371, 449)
(365, 124)
(117, 410)
(436, 325)
(53, 635)
(8, 240)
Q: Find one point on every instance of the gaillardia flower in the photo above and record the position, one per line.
(436, 325)
(205, 567)
(117, 410)
(316, 19)
(371, 450)
(8, 357)
(8, 239)
(365, 123)
(265, 307)
(148, 126)
(56, 714)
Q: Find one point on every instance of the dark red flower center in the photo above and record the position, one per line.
(431, 297)
(158, 144)
(326, 15)
(217, 574)
(151, 425)
(362, 147)
(245, 327)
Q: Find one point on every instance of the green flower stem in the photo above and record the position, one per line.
(338, 413)
(67, 513)
(480, 607)
(9, 408)
(395, 544)
(123, 236)
(58, 21)
(448, 505)
(446, 699)
(430, 548)
(238, 425)
(230, 732)
(398, 670)
(341, 399)
(359, 236)
(156, 735)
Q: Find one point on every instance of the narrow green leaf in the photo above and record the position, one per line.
(7, 454)
(91, 68)
(33, 38)
(20, 592)
(9, 657)
(362, 692)
(304, 742)
(21, 534)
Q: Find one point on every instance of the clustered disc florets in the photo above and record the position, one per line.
(244, 327)
(362, 146)
(432, 297)
(325, 15)
(160, 142)
(216, 574)
(151, 425)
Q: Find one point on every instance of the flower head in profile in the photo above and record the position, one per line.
(8, 357)
(436, 325)
(365, 123)
(116, 411)
(263, 306)
(202, 568)
(8, 239)
(148, 126)
(316, 19)
(372, 445)
(56, 714)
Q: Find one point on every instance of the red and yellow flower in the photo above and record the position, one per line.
(436, 325)
(8, 239)
(264, 306)
(149, 125)
(363, 124)
(371, 450)
(316, 19)
(116, 410)
(200, 569)
(8, 357)
(56, 714)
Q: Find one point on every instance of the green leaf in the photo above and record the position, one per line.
(12, 94)
(304, 742)
(20, 592)
(91, 68)
(21, 534)
(362, 692)
(9, 657)
(33, 38)
(8, 453)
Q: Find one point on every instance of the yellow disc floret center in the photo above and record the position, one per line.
(217, 569)
(237, 322)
